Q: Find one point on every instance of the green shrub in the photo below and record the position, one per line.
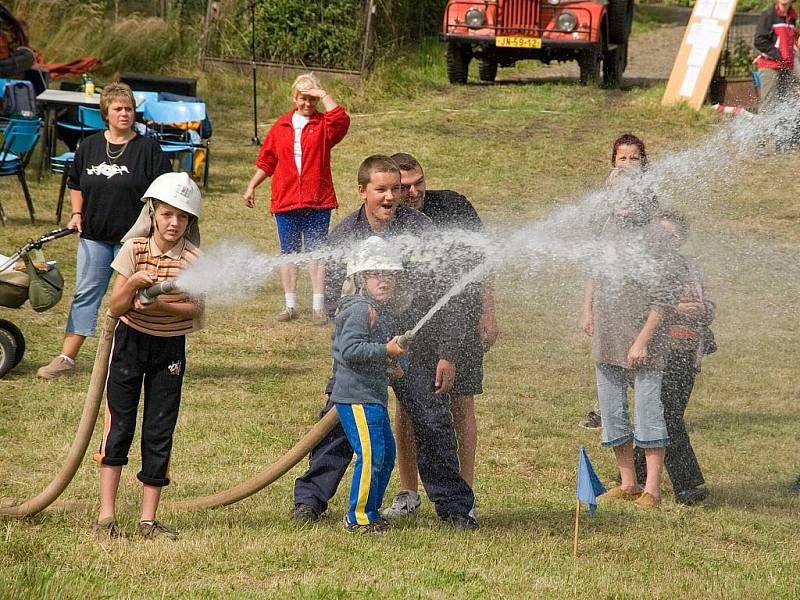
(326, 33)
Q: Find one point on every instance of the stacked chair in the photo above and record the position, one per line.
(19, 140)
(176, 126)
(89, 121)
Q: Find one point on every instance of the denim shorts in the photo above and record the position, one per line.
(91, 283)
(612, 392)
(302, 229)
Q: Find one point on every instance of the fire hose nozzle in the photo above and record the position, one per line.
(404, 341)
(148, 295)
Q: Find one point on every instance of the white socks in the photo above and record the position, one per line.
(317, 301)
(70, 361)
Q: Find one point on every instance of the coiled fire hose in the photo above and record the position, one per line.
(91, 408)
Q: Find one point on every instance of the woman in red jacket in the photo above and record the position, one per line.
(297, 155)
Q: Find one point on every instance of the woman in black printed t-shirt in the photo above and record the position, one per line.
(111, 171)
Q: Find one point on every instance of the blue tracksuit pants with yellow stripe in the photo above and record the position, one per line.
(369, 432)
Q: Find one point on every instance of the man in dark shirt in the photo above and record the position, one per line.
(423, 390)
(449, 211)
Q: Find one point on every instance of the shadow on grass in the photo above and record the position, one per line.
(758, 497)
(552, 520)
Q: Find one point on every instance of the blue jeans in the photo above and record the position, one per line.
(612, 392)
(91, 283)
(370, 434)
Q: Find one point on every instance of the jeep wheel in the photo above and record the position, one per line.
(458, 57)
(620, 19)
(487, 69)
(589, 64)
(613, 66)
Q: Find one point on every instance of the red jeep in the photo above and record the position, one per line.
(501, 32)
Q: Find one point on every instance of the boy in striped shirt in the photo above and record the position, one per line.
(149, 348)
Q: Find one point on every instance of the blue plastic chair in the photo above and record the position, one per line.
(165, 120)
(19, 140)
(61, 164)
(90, 121)
(142, 98)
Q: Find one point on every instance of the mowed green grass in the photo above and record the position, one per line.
(518, 151)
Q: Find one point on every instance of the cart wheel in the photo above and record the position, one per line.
(18, 338)
(8, 349)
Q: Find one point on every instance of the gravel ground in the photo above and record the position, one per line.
(651, 54)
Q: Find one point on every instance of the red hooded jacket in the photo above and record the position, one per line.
(313, 187)
(774, 39)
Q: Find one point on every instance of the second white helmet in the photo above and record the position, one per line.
(373, 254)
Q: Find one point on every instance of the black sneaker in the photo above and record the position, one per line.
(151, 530)
(467, 522)
(692, 496)
(304, 512)
(108, 529)
(379, 525)
(794, 489)
(592, 421)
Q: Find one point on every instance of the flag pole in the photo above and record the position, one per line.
(577, 518)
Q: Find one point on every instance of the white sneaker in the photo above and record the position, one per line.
(405, 503)
(57, 367)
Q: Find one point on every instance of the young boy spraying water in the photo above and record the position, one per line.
(363, 343)
(149, 348)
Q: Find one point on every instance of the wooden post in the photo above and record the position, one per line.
(577, 520)
(206, 27)
(369, 31)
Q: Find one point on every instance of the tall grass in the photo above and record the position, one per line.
(64, 30)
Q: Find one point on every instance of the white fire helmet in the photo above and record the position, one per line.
(177, 190)
(373, 254)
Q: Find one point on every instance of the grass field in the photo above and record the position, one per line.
(518, 151)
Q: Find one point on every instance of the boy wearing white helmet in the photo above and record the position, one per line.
(149, 347)
(364, 342)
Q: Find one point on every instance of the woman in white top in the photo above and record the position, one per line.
(296, 154)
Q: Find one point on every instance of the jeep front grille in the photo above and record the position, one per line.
(518, 16)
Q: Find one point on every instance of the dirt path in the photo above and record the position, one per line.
(650, 54)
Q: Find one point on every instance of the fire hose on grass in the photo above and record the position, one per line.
(91, 408)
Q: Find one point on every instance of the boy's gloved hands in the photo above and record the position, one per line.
(394, 349)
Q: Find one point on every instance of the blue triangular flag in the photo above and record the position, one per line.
(589, 485)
